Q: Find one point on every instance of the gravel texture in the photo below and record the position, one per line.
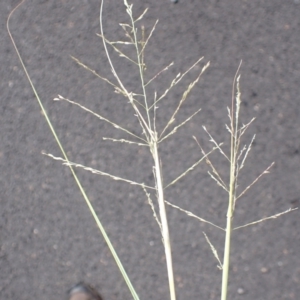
(48, 238)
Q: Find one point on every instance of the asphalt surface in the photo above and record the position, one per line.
(49, 240)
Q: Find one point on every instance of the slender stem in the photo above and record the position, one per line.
(164, 221)
(234, 142)
(90, 206)
(226, 260)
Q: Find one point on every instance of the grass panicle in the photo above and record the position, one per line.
(145, 111)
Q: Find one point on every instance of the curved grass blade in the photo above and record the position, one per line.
(96, 218)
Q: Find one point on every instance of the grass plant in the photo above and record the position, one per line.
(144, 107)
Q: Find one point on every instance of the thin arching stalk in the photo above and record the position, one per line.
(90, 206)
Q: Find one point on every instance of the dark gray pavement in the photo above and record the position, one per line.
(48, 238)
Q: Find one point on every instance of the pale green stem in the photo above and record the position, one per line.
(226, 260)
(232, 187)
(164, 222)
(96, 218)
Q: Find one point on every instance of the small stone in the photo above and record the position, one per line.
(241, 291)
(256, 107)
(264, 270)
